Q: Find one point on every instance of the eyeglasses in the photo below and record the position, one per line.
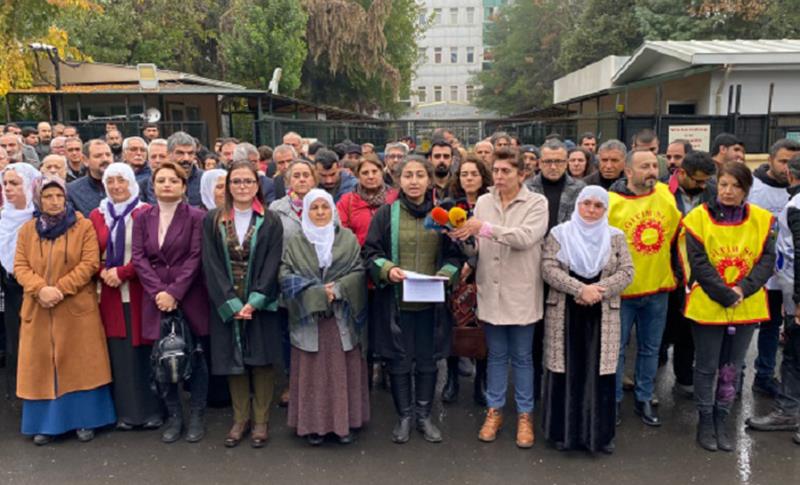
(396, 156)
(244, 182)
(441, 156)
(551, 162)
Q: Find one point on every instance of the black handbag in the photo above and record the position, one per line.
(171, 358)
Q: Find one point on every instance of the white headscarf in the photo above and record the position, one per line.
(320, 237)
(586, 246)
(12, 218)
(208, 182)
(123, 170)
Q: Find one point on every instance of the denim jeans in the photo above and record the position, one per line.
(509, 342)
(768, 336)
(649, 314)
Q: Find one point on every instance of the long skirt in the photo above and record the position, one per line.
(75, 410)
(328, 388)
(134, 401)
(580, 404)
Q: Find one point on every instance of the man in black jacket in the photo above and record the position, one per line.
(785, 415)
(611, 156)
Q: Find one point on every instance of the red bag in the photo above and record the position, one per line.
(468, 337)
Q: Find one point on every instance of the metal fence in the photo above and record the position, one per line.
(97, 128)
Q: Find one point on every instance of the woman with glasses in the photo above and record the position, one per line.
(242, 244)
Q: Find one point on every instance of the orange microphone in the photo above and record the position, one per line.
(440, 216)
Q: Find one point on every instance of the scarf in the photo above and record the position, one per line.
(12, 219)
(53, 226)
(419, 211)
(320, 237)
(208, 183)
(586, 246)
(374, 199)
(295, 202)
(116, 214)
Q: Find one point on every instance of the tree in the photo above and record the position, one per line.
(361, 53)
(605, 27)
(526, 41)
(256, 36)
(24, 22)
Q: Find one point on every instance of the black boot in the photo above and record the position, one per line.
(479, 392)
(705, 431)
(197, 429)
(401, 393)
(174, 425)
(724, 441)
(450, 391)
(426, 385)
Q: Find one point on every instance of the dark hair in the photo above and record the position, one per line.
(326, 158)
(228, 205)
(315, 147)
(590, 168)
(739, 171)
(511, 157)
(264, 153)
(456, 191)
(586, 136)
(149, 125)
(169, 165)
(782, 144)
(698, 161)
(439, 143)
(208, 155)
(10, 125)
(794, 165)
(369, 158)
(398, 168)
(28, 131)
(226, 141)
(724, 140)
(644, 136)
(553, 135)
(687, 145)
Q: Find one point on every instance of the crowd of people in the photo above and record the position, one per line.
(139, 273)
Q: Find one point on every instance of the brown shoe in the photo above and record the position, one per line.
(235, 435)
(491, 425)
(259, 436)
(525, 430)
(284, 400)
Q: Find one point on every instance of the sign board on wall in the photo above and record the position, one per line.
(698, 135)
(793, 135)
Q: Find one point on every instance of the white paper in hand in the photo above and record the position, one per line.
(420, 288)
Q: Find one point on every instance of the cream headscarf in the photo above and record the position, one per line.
(208, 183)
(12, 218)
(320, 237)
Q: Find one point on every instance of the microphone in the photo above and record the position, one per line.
(440, 216)
(457, 216)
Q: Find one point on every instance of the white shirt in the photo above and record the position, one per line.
(241, 219)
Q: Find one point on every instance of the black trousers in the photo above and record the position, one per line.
(678, 333)
(715, 348)
(788, 399)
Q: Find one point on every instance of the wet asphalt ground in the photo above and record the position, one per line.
(665, 455)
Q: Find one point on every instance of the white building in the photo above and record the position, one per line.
(451, 52)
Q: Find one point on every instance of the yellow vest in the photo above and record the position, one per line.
(733, 249)
(650, 223)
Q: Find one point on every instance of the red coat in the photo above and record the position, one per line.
(111, 298)
(356, 215)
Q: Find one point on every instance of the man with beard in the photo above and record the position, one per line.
(181, 149)
(226, 148)
(690, 185)
(727, 148)
(12, 144)
(393, 154)
(27, 151)
(611, 156)
(441, 156)
(134, 153)
(645, 210)
(769, 191)
(676, 152)
(282, 156)
(45, 132)
(331, 177)
(86, 193)
(73, 148)
(114, 140)
(150, 132)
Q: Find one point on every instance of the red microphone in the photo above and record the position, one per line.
(440, 216)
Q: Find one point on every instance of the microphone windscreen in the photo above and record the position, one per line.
(440, 216)
(457, 216)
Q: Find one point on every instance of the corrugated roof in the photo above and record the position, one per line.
(690, 53)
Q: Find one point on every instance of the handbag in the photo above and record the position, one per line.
(468, 338)
(171, 358)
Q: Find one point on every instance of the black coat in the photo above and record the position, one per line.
(260, 337)
(384, 305)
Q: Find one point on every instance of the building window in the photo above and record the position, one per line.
(470, 15)
(470, 93)
(437, 55)
(454, 55)
(453, 93)
(437, 93)
(453, 16)
(470, 55)
(423, 18)
(437, 16)
(422, 94)
(423, 54)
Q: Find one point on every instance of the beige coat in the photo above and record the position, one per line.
(616, 275)
(508, 273)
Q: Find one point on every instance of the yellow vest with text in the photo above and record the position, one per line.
(733, 250)
(650, 223)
